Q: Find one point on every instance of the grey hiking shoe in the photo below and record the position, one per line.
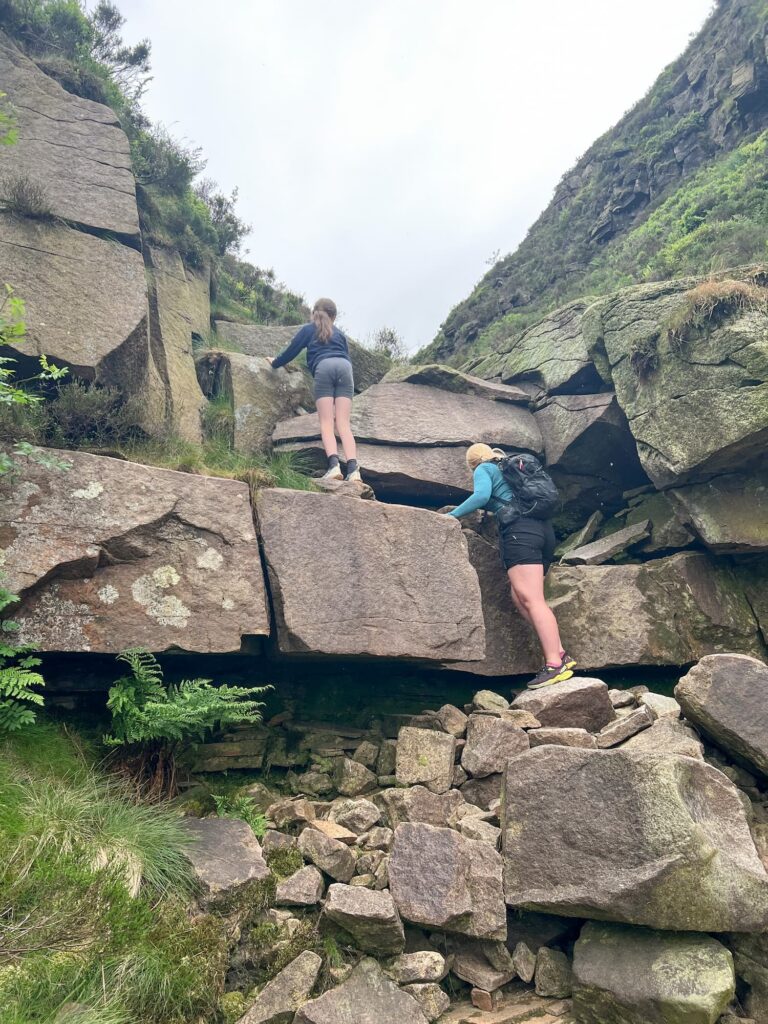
(550, 674)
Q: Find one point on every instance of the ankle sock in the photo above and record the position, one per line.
(333, 460)
(351, 466)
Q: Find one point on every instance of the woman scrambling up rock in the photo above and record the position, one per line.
(329, 363)
(526, 543)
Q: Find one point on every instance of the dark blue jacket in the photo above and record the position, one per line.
(316, 350)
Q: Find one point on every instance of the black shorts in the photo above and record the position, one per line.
(527, 541)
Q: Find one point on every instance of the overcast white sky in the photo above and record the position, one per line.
(384, 149)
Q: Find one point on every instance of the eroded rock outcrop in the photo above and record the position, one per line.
(649, 839)
(392, 581)
(109, 555)
(72, 148)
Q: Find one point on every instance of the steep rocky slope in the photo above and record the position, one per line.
(683, 154)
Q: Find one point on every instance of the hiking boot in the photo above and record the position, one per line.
(568, 661)
(334, 473)
(354, 475)
(548, 675)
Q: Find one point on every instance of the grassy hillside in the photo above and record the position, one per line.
(677, 186)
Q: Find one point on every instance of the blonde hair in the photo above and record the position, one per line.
(477, 453)
(323, 315)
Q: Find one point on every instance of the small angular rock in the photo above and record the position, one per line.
(352, 778)
(225, 855)
(661, 706)
(387, 759)
(487, 700)
(274, 840)
(667, 736)
(430, 997)
(452, 720)
(293, 814)
(331, 856)
(357, 815)
(426, 757)
(578, 703)
(482, 792)
(366, 997)
(491, 742)
(562, 737)
(367, 753)
(333, 830)
(370, 918)
(417, 803)
(304, 888)
(379, 838)
(615, 733)
(422, 966)
(278, 1001)
(553, 977)
(524, 962)
(473, 967)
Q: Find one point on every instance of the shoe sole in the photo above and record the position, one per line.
(559, 678)
(332, 476)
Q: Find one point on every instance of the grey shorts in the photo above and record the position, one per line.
(333, 378)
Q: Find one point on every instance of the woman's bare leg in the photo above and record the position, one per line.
(325, 415)
(517, 602)
(528, 585)
(343, 411)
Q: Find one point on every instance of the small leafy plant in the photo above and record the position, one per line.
(19, 695)
(242, 807)
(155, 719)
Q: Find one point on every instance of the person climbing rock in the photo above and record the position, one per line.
(329, 363)
(526, 544)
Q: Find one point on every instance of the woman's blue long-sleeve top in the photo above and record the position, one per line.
(491, 491)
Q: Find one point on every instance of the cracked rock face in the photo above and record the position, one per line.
(74, 148)
(110, 555)
(353, 577)
(704, 408)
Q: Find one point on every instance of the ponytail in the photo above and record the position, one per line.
(323, 315)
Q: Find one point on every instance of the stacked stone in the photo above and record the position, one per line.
(579, 854)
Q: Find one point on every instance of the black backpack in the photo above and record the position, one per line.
(534, 489)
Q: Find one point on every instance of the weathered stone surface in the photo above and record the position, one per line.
(334, 858)
(278, 1001)
(270, 339)
(729, 513)
(511, 647)
(491, 742)
(225, 856)
(447, 378)
(368, 996)
(524, 962)
(583, 536)
(179, 306)
(369, 918)
(426, 757)
(407, 603)
(440, 879)
(352, 778)
(472, 966)
(489, 700)
(110, 555)
(640, 976)
(387, 759)
(661, 706)
(726, 696)
(622, 698)
(669, 848)
(379, 838)
(475, 828)
(562, 737)
(304, 888)
(552, 354)
(668, 533)
(259, 395)
(606, 548)
(553, 975)
(417, 803)
(291, 813)
(421, 966)
(333, 831)
(669, 611)
(452, 720)
(356, 815)
(667, 736)
(482, 792)
(69, 279)
(721, 369)
(430, 997)
(578, 703)
(628, 725)
(72, 147)
(273, 840)
(366, 753)
(750, 953)
(435, 417)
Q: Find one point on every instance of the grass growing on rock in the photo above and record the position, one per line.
(93, 894)
(710, 302)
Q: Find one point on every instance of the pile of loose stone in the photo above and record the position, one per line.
(565, 857)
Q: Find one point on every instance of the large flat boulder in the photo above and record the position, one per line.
(413, 414)
(259, 395)
(86, 304)
(641, 976)
(669, 611)
(225, 856)
(578, 703)
(440, 879)
(695, 401)
(179, 306)
(270, 339)
(110, 555)
(430, 476)
(649, 839)
(73, 148)
(729, 513)
(726, 697)
(368, 996)
(551, 354)
(447, 378)
(358, 577)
